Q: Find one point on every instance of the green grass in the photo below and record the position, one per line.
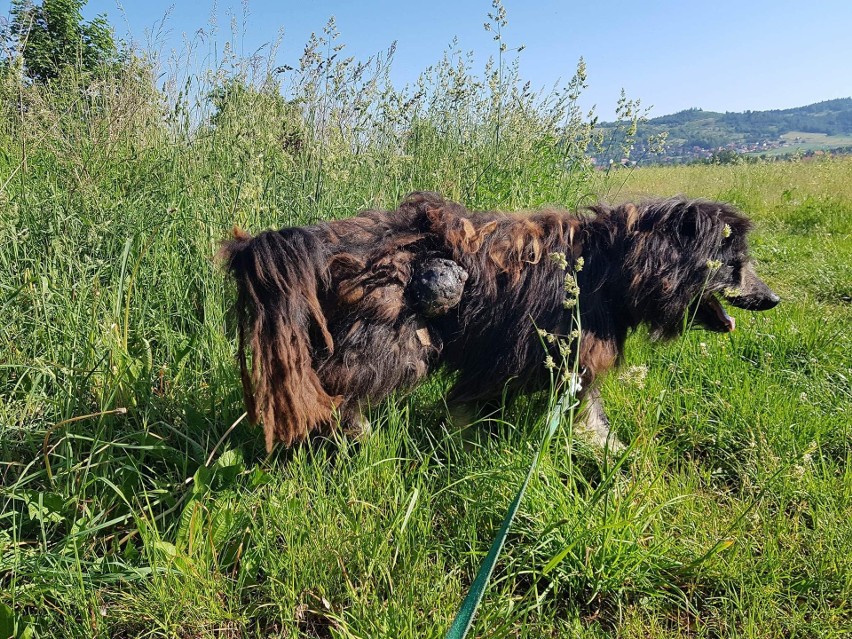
(132, 503)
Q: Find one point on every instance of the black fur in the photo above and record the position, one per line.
(660, 263)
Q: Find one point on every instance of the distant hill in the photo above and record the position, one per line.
(695, 134)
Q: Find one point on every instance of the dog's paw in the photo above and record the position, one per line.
(358, 428)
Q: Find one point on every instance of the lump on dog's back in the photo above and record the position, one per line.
(437, 286)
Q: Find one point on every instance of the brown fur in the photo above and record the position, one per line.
(328, 315)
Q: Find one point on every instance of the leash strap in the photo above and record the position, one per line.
(464, 617)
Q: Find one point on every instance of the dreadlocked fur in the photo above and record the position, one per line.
(333, 319)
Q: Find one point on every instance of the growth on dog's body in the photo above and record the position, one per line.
(345, 312)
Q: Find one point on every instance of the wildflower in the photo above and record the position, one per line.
(635, 375)
(714, 265)
(704, 351)
(731, 292)
(559, 259)
(570, 285)
(579, 264)
(549, 364)
(726, 231)
(809, 452)
(570, 302)
(541, 332)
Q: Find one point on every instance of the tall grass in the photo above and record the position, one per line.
(134, 502)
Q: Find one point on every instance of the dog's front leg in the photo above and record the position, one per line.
(356, 424)
(593, 424)
(465, 414)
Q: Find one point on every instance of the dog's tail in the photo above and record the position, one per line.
(279, 275)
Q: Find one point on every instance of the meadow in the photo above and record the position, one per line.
(135, 502)
(800, 142)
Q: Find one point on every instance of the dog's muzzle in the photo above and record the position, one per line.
(753, 294)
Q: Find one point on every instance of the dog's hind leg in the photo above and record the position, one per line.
(593, 424)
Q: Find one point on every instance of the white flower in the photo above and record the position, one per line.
(575, 383)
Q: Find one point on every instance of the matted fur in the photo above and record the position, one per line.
(326, 313)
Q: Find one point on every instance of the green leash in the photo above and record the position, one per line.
(464, 618)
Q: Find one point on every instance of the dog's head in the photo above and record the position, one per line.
(682, 259)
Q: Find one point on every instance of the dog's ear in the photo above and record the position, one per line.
(704, 228)
(688, 224)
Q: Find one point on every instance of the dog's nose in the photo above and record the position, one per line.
(762, 301)
(756, 301)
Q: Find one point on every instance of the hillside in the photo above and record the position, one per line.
(695, 134)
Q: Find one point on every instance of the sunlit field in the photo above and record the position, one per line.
(134, 502)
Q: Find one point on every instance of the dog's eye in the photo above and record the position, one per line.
(722, 270)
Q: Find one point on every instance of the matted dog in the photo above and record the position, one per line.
(342, 313)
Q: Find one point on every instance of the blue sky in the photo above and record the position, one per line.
(725, 55)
